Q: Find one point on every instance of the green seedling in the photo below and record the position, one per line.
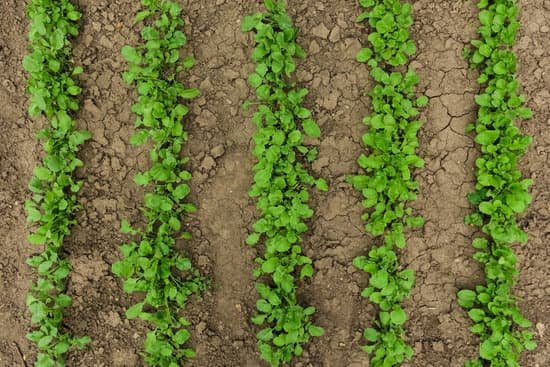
(387, 182)
(51, 211)
(151, 264)
(281, 183)
(501, 193)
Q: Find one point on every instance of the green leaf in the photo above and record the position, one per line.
(398, 316)
(255, 80)
(78, 70)
(265, 334)
(303, 113)
(253, 239)
(315, 330)
(476, 314)
(364, 55)
(422, 101)
(258, 319)
(54, 65)
(487, 137)
(125, 227)
(44, 341)
(363, 16)
(270, 265)
(410, 48)
(131, 55)
(139, 138)
(36, 239)
(371, 335)
(466, 298)
(174, 223)
(485, 17)
(134, 311)
(122, 269)
(57, 39)
(311, 128)
(415, 222)
(321, 185)
(141, 179)
(379, 279)
(307, 271)
(183, 264)
(44, 360)
(525, 113)
(54, 164)
(42, 173)
(518, 202)
(33, 214)
(188, 62)
(485, 50)
(263, 92)
(279, 340)
(61, 348)
(486, 208)
(44, 267)
(487, 350)
(500, 68)
(181, 191)
(74, 15)
(142, 15)
(249, 23)
(181, 336)
(483, 100)
(530, 345)
(64, 300)
(82, 341)
(190, 93)
(79, 137)
(263, 306)
(74, 90)
(31, 65)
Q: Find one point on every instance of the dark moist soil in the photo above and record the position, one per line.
(220, 145)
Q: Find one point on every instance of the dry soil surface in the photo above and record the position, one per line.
(220, 144)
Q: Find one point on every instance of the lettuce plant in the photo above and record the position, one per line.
(386, 181)
(51, 211)
(280, 185)
(151, 264)
(501, 193)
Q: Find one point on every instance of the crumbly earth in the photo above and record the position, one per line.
(219, 147)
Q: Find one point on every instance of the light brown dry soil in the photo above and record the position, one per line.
(220, 145)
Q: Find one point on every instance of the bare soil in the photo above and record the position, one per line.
(220, 144)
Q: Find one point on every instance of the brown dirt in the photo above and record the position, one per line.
(220, 160)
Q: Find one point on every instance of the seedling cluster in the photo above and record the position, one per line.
(281, 185)
(386, 182)
(501, 193)
(51, 211)
(151, 264)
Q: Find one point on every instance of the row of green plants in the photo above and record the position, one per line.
(281, 182)
(51, 210)
(386, 181)
(152, 265)
(501, 193)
